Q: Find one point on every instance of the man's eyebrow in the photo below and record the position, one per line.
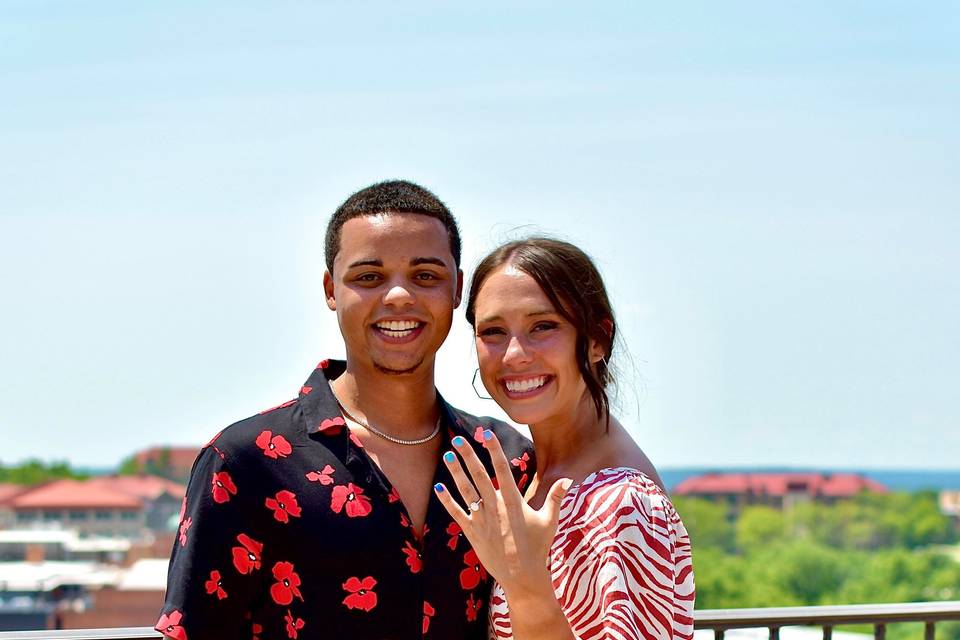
(427, 260)
(365, 263)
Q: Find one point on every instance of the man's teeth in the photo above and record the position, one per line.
(398, 328)
(520, 386)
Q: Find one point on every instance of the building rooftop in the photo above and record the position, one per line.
(73, 494)
(779, 484)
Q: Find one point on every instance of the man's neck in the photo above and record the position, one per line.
(400, 404)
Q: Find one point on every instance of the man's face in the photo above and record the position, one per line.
(394, 287)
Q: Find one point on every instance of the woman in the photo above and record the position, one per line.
(594, 548)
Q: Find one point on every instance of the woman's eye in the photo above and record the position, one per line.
(490, 331)
(544, 326)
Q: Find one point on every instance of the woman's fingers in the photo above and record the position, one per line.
(466, 488)
(477, 472)
(458, 514)
(508, 486)
(551, 506)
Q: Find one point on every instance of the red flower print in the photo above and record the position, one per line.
(287, 581)
(521, 461)
(361, 593)
(323, 364)
(223, 487)
(184, 527)
(324, 477)
(474, 574)
(284, 505)
(414, 559)
(473, 606)
(213, 439)
(523, 482)
(355, 440)
(246, 558)
(256, 630)
(404, 521)
(169, 625)
(332, 425)
(183, 508)
(357, 504)
(305, 389)
(478, 435)
(214, 585)
(273, 446)
(394, 495)
(455, 533)
(293, 626)
(279, 406)
(428, 612)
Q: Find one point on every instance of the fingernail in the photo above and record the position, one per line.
(459, 441)
(438, 488)
(488, 435)
(449, 457)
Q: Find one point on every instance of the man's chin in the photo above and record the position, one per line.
(396, 369)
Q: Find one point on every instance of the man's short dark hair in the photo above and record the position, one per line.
(391, 196)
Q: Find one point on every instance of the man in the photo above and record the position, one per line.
(317, 518)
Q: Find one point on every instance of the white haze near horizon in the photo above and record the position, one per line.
(771, 192)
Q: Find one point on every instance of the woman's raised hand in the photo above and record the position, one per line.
(511, 538)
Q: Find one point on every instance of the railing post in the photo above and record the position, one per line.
(718, 633)
(929, 631)
(774, 633)
(827, 632)
(880, 631)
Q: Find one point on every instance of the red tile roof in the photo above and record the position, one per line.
(8, 491)
(176, 457)
(74, 494)
(143, 485)
(779, 484)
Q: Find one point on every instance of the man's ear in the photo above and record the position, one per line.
(459, 296)
(328, 291)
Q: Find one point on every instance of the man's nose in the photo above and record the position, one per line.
(398, 294)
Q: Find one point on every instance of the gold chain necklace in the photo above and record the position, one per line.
(387, 436)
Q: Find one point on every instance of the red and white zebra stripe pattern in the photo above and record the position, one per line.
(620, 563)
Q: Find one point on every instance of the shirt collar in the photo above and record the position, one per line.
(321, 412)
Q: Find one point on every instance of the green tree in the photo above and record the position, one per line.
(759, 526)
(706, 522)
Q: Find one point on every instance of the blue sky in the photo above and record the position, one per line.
(771, 190)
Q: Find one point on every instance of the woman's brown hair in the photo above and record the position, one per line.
(573, 284)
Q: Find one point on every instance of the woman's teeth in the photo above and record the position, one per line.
(521, 386)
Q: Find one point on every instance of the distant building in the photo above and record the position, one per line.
(950, 504)
(119, 506)
(777, 490)
(169, 462)
(7, 491)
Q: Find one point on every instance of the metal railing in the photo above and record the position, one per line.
(878, 615)
(719, 620)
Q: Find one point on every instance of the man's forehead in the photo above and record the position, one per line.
(393, 236)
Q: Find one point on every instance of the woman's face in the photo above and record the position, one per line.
(526, 349)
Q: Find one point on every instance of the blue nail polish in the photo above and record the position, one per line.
(488, 435)
(438, 488)
(459, 441)
(449, 457)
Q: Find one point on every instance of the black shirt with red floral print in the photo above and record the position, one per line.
(290, 531)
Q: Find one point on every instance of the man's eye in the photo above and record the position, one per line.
(426, 275)
(367, 277)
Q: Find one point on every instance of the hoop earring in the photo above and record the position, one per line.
(474, 385)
